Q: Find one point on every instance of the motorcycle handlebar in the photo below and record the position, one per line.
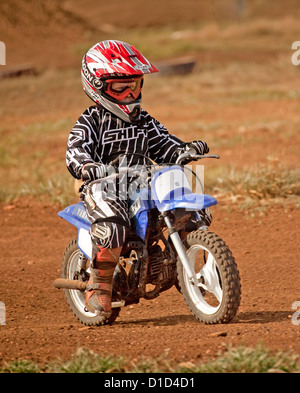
(190, 155)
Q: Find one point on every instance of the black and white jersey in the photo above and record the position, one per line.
(100, 136)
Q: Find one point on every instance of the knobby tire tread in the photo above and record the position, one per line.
(230, 279)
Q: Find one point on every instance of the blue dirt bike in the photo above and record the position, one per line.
(169, 245)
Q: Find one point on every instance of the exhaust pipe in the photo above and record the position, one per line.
(81, 286)
(70, 284)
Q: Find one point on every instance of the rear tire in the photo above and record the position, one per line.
(76, 298)
(216, 295)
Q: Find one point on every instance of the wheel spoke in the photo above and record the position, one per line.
(211, 278)
(207, 294)
(77, 296)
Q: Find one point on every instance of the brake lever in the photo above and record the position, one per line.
(208, 156)
(191, 156)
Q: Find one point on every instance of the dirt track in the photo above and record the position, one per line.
(39, 325)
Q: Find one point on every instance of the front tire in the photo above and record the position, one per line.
(76, 298)
(215, 296)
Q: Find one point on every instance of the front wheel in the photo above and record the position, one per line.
(215, 294)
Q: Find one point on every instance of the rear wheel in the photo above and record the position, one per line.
(215, 295)
(75, 298)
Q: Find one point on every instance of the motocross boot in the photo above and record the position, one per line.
(99, 288)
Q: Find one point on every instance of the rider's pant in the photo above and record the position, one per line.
(108, 213)
(110, 226)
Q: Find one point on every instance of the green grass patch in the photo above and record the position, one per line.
(232, 360)
(248, 360)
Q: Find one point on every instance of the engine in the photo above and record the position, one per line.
(161, 266)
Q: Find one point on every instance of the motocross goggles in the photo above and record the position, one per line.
(119, 88)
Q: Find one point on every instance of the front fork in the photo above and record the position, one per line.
(177, 242)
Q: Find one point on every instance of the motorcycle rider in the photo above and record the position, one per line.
(112, 76)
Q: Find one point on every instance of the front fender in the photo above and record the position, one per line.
(193, 202)
(170, 189)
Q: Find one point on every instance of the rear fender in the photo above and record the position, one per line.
(76, 215)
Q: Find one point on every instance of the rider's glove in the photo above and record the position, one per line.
(199, 146)
(93, 171)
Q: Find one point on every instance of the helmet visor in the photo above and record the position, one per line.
(122, 88)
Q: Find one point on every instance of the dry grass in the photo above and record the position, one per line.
(228, 77)
(258, 186)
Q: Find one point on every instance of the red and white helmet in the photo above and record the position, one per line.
(111, 61)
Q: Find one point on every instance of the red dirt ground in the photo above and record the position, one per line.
(40, 326)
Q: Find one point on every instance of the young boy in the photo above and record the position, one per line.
(112, 76)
